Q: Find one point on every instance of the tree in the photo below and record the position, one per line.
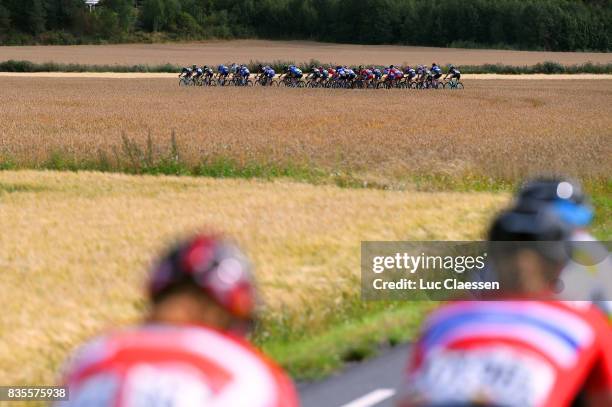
(5, 19)
(36, 16)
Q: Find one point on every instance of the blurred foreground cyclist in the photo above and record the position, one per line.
(190, 351)
(588, 275)
(527, 350)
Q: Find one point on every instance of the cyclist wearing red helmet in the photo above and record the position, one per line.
(191, 350)
(515, 352)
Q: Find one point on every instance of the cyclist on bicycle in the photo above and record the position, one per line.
(524, 350)
(268, 74)
(185, 72)
(377, 73)
(350, 74)
(324, 74)
(295, 72)
(410, 74)
(191, 349)
(453, 72)
(316, 74)
(341, 72)
(394, 75)
(421, 72)
(223, 71)
(331, 72)
(244, 74)
(208, 73)
(197, 73)
(436, 74)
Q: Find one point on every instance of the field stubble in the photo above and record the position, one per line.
(242, 51)
(501, 130)
(74, 248)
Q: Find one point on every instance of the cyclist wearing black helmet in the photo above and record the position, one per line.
(527, 350)
(588, 276)
(453, 73)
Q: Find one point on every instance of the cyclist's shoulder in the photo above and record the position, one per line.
(192, 339)
(575, 316)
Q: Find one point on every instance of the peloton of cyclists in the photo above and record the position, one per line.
(422, 75)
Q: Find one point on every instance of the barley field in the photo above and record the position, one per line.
(74, 247)
(216, 52)
(497, 129)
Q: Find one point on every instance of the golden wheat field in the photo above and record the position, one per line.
(499, 129)
(215, 52)
(74, 247)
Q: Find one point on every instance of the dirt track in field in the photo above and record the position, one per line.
(215, 52)
(150, 75)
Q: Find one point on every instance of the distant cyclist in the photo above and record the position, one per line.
(208, 72)
(295, 72)
(191, 350)
(527, 350)
(410, 74)
(421, 73)
(436, 74)
(267, 74)
(377, 73)
(453, 73)
(324, 74)
(223, 71)
(185, 72)
(244, 74)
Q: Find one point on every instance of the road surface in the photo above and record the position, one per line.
(368, 384)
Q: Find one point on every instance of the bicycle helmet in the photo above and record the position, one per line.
(214, 265)
(540, 229)
(564, 195)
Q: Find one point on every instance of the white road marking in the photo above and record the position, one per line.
(371, 398)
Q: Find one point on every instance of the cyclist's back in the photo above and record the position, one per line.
(167, 365)
(511, 353)
(190, 349)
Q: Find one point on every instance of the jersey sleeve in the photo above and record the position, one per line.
(600, 379)
(287, 394)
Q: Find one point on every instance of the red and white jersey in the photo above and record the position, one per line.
(511, 353)
(164, 365)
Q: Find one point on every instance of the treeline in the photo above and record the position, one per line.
(558, 25)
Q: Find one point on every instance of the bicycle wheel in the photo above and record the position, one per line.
(459, 85)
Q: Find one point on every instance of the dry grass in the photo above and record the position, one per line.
(503, 129)
(74, 247)
(167, 75)
(215, 52)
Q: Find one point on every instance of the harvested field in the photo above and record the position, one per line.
(165, 75)
(499, 129)
(215, 52)
(74, 248)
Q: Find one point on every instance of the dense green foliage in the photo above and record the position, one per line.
(528, 24)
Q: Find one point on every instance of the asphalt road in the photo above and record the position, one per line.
(367, 384)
